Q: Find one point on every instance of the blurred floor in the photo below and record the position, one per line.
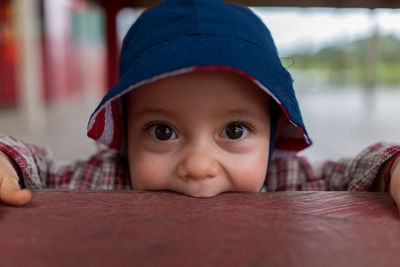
(342, 122)
(65, 133)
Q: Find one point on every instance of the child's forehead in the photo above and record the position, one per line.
(202, 83)
(218, 94)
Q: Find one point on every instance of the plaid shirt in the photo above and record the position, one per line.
(107, 170)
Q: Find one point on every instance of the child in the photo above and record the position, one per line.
(202, 106)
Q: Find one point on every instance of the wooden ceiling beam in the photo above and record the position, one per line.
(371, 4)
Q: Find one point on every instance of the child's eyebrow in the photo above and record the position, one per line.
(151, 111)
(243, 112)
(240, 111)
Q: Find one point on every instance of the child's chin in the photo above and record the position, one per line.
(204, 195)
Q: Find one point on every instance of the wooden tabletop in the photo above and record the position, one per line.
(127, 228)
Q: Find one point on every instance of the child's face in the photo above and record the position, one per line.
(200, 134)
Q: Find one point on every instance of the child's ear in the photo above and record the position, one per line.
(281, 123)
(281, 120)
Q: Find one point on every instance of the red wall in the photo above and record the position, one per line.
(8, 57)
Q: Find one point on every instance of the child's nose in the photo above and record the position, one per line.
(198, 165)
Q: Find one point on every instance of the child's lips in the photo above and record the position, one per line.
(200, 187)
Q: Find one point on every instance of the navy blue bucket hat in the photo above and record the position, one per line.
(180, 36)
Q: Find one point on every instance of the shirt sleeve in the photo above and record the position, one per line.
(295, 173)
(38, 169)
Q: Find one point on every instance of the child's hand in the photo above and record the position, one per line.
(10, 192)
(395, 182)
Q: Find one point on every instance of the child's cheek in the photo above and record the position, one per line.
(149, 172)
(248, 174)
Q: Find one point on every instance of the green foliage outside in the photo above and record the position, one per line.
(346, 63)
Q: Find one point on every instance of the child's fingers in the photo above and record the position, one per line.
(10, 192)
(396, 198)
(395, 183)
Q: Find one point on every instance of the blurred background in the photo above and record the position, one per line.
(58, 57)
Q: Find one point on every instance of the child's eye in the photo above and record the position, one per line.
(235, 131)
(161, 132)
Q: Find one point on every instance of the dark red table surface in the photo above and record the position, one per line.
(127, 228)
